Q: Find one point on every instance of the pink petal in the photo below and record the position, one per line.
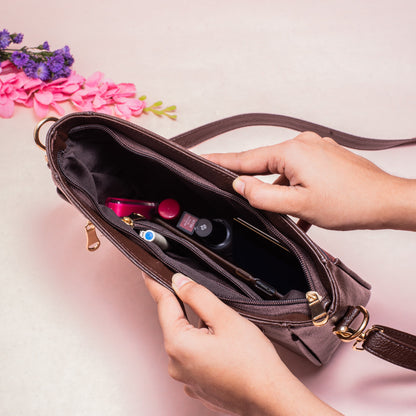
(123, 109)
(70, 89)
(88, 92)
(6, 64)
(127, 89)
(84, 105)
(21, 97)
(58, 108)
(40, 109)
(57, 96)
(28, 102)
(77, 98)
(136, 105)
(94, 79)
(44, 97)
(119, 100)
(56, 82)
(74, 78)
(7, 109)
(32, 83)
(98, 102)
(106, 109)
(8, 78)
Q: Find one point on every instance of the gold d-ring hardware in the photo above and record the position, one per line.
(347, 334)
(358, 346)
(37, 129)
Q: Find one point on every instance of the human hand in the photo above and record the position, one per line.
(329, 185)
(229, 365)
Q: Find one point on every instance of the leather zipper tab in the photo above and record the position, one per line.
(92, 240)
(318, 312)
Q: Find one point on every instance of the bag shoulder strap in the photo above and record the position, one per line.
(392, 345)
(386, 343)
(210, 130)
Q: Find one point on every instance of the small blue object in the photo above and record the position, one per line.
(149, 235)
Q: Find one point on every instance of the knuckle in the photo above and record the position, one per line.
(254, 195)
(296, 203)
(173, 371)
(189, 290)
(329, 140)
(171, 348)
(291, 147)
(241, 159)
(310, 136)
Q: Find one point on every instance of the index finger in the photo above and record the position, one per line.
(259, 161)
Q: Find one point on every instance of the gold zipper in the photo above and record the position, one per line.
(319, 314)
(92, 240)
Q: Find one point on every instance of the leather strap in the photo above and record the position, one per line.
(387, 343)
(392, 345)
(210, 130)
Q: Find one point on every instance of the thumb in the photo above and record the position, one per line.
(204, 303)
(270, 197)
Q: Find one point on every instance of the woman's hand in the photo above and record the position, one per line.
(328, 185)
(229, 365)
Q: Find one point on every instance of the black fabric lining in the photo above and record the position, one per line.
(103, 168)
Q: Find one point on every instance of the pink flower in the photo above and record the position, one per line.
(10, 92)
(92, 94)
(105, 96)
(44, 96)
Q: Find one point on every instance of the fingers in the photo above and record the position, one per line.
(271, 197)
(255, 161)
(171, 316)
(205, 304)
(156, 289)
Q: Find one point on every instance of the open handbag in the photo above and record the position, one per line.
(302, 298)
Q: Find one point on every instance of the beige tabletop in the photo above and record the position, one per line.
(79, 332)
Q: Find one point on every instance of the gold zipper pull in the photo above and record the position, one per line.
(318, 312)
(92, 240)
(128, 221)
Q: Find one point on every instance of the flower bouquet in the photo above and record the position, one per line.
(39, 78)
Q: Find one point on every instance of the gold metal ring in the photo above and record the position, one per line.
(37, 129)
(358, 344)
(347, 334)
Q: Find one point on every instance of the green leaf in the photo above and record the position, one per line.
(171, 108)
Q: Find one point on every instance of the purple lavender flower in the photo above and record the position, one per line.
(37, 62)
(42, 71)
(66, 53)
(17, 37)
(56, 63)
(20, 59)
(30, 68)
(5, 39)
(66, 72)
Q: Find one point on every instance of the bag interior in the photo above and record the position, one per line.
(95, 162)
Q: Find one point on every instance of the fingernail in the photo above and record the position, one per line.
(239, 186)
(179, 280)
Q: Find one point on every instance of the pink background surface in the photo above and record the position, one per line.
(79, 332)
